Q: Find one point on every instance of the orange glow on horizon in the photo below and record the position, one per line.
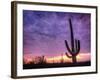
(58, 59)
(28, 58)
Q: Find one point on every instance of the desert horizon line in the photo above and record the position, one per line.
(80, 58)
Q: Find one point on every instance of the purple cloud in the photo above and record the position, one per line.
(45, 32)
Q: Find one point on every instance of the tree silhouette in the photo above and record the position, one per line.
(40, 60)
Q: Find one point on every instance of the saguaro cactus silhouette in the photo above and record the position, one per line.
(74, 49)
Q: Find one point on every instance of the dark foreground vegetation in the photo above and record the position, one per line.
(55, 65)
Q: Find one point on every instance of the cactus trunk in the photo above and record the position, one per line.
(72, 35)
(74, 59)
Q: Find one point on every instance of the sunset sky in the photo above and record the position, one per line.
(57, 59)
(45, 32)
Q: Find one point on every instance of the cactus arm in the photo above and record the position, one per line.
(68, 55)
(78, 48)
(76, 45)
(66, 43)
(77, 42)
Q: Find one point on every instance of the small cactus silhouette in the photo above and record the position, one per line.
(75, 45)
